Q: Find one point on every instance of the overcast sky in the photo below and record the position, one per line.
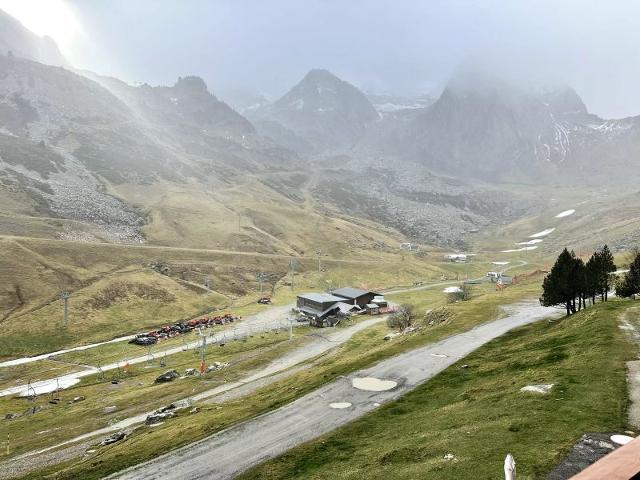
(396, 46)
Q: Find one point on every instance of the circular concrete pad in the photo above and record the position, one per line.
(371, 384)
(621, 439)
(340, 405)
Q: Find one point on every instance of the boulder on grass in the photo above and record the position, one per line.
(116, 437)
(167, 377)
(158, 417)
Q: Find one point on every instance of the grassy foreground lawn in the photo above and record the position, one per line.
(479, 414)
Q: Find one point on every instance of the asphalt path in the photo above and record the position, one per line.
(228, 453)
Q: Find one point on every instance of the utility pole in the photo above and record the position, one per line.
(261, 277)
(319, 253)
(64, 295)
(292, 267)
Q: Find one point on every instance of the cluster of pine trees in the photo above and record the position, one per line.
(571, 281)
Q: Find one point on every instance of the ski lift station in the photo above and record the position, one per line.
(340, 301)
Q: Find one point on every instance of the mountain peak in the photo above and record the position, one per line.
(320, 75)
(565, 100)
(22, 42)
(191, 85)
(323, 110)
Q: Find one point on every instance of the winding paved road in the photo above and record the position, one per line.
(232, 451)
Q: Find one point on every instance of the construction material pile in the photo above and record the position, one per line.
(168, 331)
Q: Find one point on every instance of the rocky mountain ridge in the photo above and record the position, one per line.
(493, 131)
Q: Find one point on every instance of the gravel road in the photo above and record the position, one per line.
(232, 451)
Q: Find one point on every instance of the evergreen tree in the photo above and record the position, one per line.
(559, 287)
(578, 282)
(607, 266)
(630, 284)
(591, 273)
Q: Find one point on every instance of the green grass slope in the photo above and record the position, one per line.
(478, 413)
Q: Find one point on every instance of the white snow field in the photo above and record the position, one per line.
(566, 213)
(523, 249)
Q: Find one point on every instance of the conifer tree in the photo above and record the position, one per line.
(630, 283)
(607, 266)
(592, 274)
(558, 287)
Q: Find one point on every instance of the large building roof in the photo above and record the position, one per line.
(321, 297)
(349, 292)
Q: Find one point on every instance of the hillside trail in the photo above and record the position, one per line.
(353, 261)
(630, 323)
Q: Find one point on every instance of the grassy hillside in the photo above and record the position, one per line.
(602, 215)
(34, 271)
(478, 414)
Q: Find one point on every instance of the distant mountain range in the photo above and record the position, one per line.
(433, 169)
(485, 128)
(479, 127)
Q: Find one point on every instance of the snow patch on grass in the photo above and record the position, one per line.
(530, 242)
(543, 233)
(566, 213)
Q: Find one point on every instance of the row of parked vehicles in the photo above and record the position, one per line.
(168, 331)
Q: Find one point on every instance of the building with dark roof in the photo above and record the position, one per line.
(354, 296)
(318, 305)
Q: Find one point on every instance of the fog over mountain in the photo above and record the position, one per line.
(403, 48)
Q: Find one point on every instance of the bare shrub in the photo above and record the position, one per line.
(465, 293)
(401, 319)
